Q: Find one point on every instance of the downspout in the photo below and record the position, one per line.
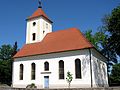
(90, 67)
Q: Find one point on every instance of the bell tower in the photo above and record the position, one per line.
(38, 25)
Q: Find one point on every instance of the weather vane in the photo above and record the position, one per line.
(40, 4)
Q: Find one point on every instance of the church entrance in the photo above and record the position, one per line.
(46, 81)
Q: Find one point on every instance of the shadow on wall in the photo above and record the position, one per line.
(85, 64)
(99, 73)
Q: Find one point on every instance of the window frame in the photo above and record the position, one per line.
(34, 23)
(21, 72)
(78, 73)
(61, 70)
(33, 36)
(33, 71)
(46, 66)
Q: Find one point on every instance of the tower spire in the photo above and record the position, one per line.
(39, 4)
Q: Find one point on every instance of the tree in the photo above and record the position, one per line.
(112, 25)
(69, 78)
(6, 52)
(107, 39)
(15, 49)
(100, 41)
(6, 57)
(6, 72)
(115, 75)
(90, 37)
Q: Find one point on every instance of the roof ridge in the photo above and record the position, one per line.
(59, 41)
(63, 30)
(39, 12)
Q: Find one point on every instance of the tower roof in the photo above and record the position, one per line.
(60, 41)
(39, 12)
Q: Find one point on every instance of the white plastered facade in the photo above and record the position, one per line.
(99, 69)
(41, 28)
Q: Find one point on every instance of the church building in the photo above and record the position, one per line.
(47, 56)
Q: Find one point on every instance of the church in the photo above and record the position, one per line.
(47, 56)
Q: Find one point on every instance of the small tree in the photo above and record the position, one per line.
(69, 78)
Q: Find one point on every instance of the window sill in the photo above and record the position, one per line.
(46, 72)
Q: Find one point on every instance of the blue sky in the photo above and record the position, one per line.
(82, 14)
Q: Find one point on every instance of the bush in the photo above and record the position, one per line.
(32, 85)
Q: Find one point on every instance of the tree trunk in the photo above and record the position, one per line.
(69, 86)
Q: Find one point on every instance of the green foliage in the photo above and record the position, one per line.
(107, 40)
(97, 39)
(6, 57)
(100, 41)
(6, 52)
(32, 85)
(112, 25)
(6, 71)
(69, 78)
(115, 75)
(91, 38)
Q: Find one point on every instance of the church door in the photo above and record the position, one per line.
(46, 81)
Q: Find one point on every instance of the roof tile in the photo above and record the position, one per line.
(39, 12)
(59, 41)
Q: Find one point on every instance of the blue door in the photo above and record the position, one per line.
(46, 81)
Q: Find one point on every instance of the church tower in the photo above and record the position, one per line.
(38, 25)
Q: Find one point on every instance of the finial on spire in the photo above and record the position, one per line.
(40, 4)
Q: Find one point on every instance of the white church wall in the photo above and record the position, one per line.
(41, 28)
(53, 73)
(32, 29)
(99, 67)
(47, 26)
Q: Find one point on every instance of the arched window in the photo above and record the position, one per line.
(33, 36)
(77, 68)
(33, 71)
(61, 69)
(43, 31)
(34, 23)
(46, 66)
(21, 71)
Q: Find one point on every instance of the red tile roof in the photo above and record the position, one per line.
(39, 12)
(59, 41)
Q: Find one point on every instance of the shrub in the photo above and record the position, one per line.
(32, 85)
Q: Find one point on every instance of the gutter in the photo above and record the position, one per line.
(90, 67)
